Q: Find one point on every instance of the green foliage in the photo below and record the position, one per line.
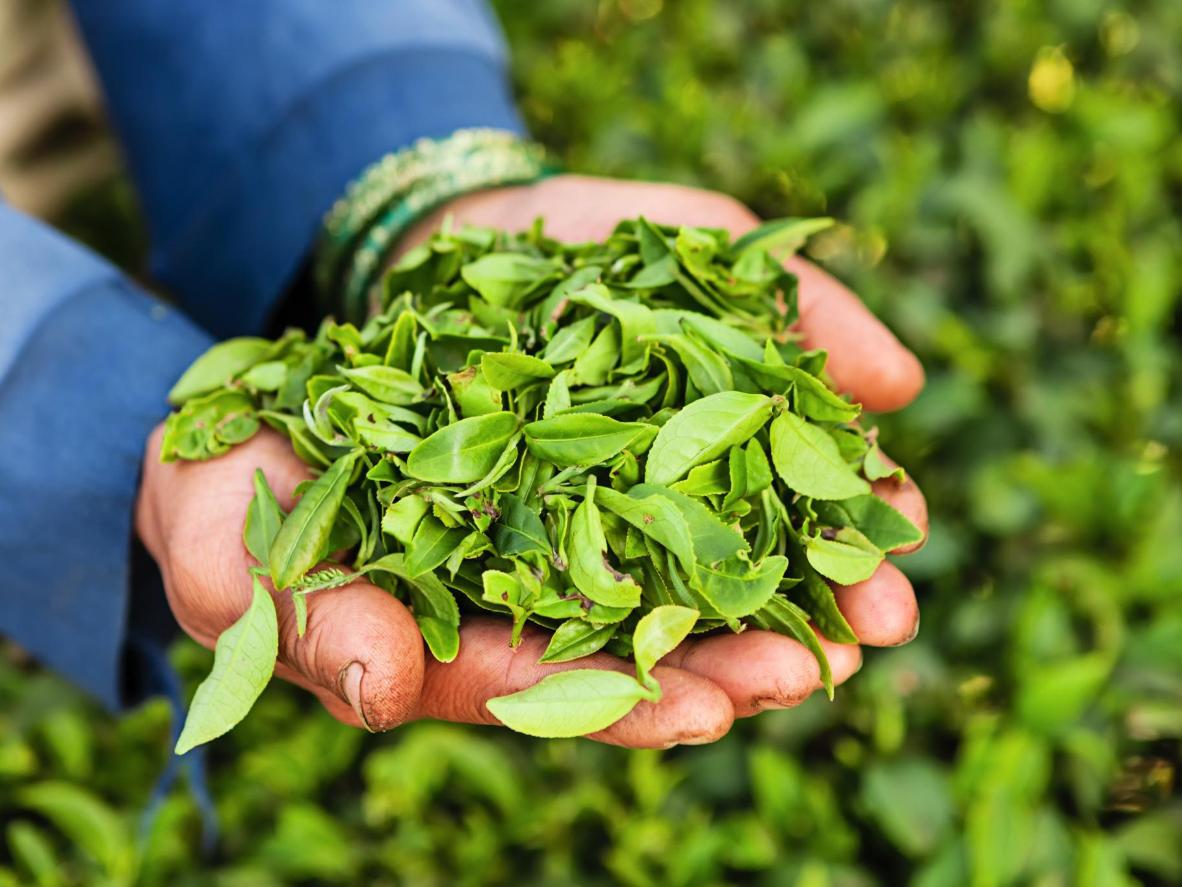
(1021, 232)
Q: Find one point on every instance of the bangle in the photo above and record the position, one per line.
(364, 226)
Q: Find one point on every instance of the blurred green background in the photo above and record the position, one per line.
(1009, 176)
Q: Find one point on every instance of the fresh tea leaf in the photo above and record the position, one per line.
(263, 519)
(809, 462)
(657, 633)
(580, 439)
(569, 703)
(301, 540)
(431, 545)
(507, 371)
(244, 659)
(464, 451)
(575, 639)
(591, 569)
(217, 366)
(386, 384)
(874, 518)
(846, 559)
(783, 616)
(703, 431)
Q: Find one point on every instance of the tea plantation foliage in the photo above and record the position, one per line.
(1009, 176)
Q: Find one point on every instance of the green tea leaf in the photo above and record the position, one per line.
(268, 376)
(783, 616)
(263, 519)
(710, 479)
(721, 336)
(713, 540)
(575, 639)
(707, 369)
(759, 471)
(386, 437)
(434, 607)
(736, 589)
(437, 615)
(506, 371)
(703, 431)
(569, 703)
(519, 529)
(217, 366)
(301, 540)
(817, 599)
(473, 394)
(386, 384)
(809, 462)
(636, 321)
(593, 365)
(590, 568)
(811, 397)
(874, 518)
(657, 633)
(580, 438)
(431, 545)
(569, 342)
(846, 559)
(244, 659)
(402, 517)
(655, 516)
(464, 451)
(875, 467)
(505, 590)
(780, 237)
(503, 279)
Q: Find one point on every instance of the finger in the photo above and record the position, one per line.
(335, 706)
(362, 649)
(759, 670)
(691, 710)
(882, 611)
(907, 498)
(362, 646)
(865, 358)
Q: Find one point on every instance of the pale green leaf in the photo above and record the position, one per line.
(569, 703)
(244, 659)
(809, 462)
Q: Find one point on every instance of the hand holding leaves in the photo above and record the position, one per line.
(736, 469)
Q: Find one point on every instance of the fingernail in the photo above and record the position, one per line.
(914, 633)
(697, 739)
(349, 682)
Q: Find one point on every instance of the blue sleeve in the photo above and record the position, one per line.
(85, 362)
(243, 122)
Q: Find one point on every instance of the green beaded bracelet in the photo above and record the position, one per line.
(364, 226)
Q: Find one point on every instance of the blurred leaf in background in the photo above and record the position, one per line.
(1009, 181)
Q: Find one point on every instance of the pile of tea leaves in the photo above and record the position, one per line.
(622, 442)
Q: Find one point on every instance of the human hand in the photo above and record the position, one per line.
(362, 655)
(865, 360)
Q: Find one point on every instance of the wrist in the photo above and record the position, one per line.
(488, 207)
(366, 225)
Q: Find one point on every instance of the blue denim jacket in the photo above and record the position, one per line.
(240, 123)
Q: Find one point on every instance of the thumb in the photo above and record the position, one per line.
(362, 654)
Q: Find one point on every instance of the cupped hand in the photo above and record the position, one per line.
(865, 361)
(362, 655)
